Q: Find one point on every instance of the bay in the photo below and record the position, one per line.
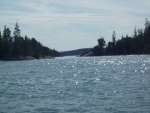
(107, 84)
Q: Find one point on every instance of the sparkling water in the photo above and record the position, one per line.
(108, 84)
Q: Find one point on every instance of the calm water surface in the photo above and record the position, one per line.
(118, 84)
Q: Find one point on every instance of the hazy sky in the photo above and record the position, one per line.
(74, 24)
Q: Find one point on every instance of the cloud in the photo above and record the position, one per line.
(74, 24)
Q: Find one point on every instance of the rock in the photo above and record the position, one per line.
(88, 54)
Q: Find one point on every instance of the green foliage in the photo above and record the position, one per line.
(0, 45)
(99, 49)
(12, 47)
(138, 44)
(101, 42)
(6, 41)
(17, 32)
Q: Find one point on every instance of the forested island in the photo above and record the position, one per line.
(17, 47)
(139, 43)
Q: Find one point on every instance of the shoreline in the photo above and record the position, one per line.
(22, 58)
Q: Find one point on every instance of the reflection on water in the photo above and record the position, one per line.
(73, 84)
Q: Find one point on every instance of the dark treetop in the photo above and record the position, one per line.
(139, 43)
(16, 46)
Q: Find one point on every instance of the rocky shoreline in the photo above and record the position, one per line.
(26, 58)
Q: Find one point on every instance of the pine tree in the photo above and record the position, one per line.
(7, 42)
(135, 32)
(0, 45)
(114, 37)
(27, 50)
(114, 42)
(17, 32)
(18, 40)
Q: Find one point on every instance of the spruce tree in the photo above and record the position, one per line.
(18, 40)
(0, 45)
(114, 42)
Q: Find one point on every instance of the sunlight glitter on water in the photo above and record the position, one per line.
(94, 84)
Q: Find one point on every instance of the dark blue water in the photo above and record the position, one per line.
(119, 84)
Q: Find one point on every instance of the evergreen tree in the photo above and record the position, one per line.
(0, 34)
(147, 35)
(114, 37)
(16, 46)
(36, 48)
(26, 47)
(0, 45)
(109, 48)
(7, 42)
(135, 33)
(114, 42)
(138, 44)
(17, 31)
(18, 40)
(147, 24)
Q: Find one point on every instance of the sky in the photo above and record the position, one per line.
(72, 24)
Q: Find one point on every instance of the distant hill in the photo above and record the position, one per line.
(75, 52)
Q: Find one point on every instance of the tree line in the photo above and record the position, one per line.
(139, 43)
(17, 45)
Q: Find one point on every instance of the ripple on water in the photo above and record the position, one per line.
(94, 84)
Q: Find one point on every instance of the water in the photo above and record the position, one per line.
(119, 84)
